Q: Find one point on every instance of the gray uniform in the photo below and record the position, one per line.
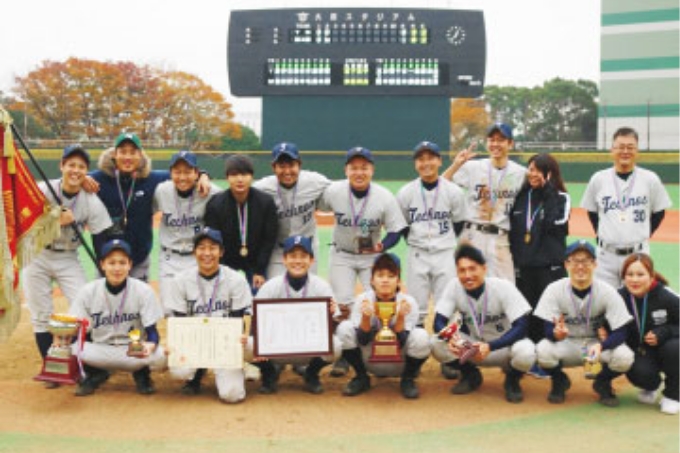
(295, 207)
(431, 240)
(582, 318)
(59, 262)
(504, 305)
(624, 208)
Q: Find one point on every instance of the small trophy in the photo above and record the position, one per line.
(385, 346)
(60, 365)
(365, 244)
(135, 347)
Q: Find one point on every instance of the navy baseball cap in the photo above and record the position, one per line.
(426, 146)
(504, 129)
(358, 151)
(128, 137)
(76, 150)
(298, 241)
(387, 261)
(285, 149)
(185, 156)
(209, 233)
(580, 246)
(116, 244)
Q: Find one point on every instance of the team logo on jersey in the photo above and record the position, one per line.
(611, 204)
(102, 320)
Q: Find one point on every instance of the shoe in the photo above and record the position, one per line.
(51, 385)
(251, 372)
(299, 370)
(647, 396)
(560, 385)
(85, 388)
(513, 391)
(191, 387)
(409, 390)
(669, 406)
(143, 381)
(538, 372)
(270, 383)
(604, 389)
(357, 385)
(95, 377)
(340, 368)
(313, 384)
(469, 382)
(448, 372)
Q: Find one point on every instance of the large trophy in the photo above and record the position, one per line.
(386, 348)
(60, 364)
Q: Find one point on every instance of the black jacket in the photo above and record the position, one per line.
(221, 214)
(548, 231)
(662, 315)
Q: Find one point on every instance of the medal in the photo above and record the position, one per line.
(622, 217)
(243, 228)
(527, 238)
(244, 251)
(530, 217)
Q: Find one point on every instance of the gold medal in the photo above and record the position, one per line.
(244, 251)
(527, 238)
(622, 218)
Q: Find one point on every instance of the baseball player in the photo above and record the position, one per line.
(182, 211)
(114, 306)
(495, 317)
(297, 282)
(357, 333)
(625, 204)
(212, 290)
(362, 209)
(574, 308)
(491, 186)
(59, 262)
(296, 193)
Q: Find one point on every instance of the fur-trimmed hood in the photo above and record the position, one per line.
(107, 165)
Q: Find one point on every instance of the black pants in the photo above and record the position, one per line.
(531, 282)
(646, 368)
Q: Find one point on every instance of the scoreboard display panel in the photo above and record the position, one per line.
(357, 52)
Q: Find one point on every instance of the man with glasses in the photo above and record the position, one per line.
(574, 309)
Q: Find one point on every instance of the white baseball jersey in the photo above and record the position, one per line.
(112, 316)
(295, 206)
(583, 316)
(194, 295)
(278, 288)
(182, 218)
(410, 322)
(432, 213)
(625, 207)
(87, 209)
(490, 191)
(377, 209)
(492, 313)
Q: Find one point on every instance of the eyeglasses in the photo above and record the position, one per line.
(584, 262)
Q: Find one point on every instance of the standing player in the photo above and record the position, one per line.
(210, 291)
(495, 317)
(114, 306)
(491, 185)
(296, 193)
(59, 262)
(574, 308)
(626, 205)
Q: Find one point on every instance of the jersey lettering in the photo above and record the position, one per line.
(610, 204)
(101, 320)
(482, 192)
(431, 214)
(180, 222)
(297, 210)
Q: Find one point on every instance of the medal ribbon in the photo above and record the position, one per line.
(578, 312)
(434, 202)
(492, 195)
(125, 203)
(214, 290)
(640, 320)
(287, 286)
(178, 203)
(621, 198)
(285, 205)
(243, 222)
(59, 189)
(478, 320)
(531, 217)
(355, 216)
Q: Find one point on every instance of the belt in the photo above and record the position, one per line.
(486, 228)
(49, 247)
(176, 252)
(621, 251)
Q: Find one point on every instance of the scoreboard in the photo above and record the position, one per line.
(357, 52)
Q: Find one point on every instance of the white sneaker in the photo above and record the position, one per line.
(251, 372)
(669, 406)
(647, 396)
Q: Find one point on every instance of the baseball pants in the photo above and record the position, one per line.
(427, 275)
(569, 353)
(115, 358)
(531, 282)
(496, 250)
(141, 271)
(609, 265)
(295, 360)
(521, 355)
(230, 383)
(344, 269)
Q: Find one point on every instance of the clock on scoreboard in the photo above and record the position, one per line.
(357, 51)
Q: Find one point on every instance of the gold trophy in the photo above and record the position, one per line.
(135, 347)
(60, 365)
(386, 348)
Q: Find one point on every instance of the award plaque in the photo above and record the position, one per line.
(365, 244)
(385, 346)
(60, 365)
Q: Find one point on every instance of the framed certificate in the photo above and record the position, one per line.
(292, 327)
(205, 343)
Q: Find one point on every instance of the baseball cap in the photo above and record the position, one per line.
(209, 233)
(298, 241)
(185, 156)
(239, 164)
(358, 151)
(77, 150)
(426, 146)
(580, 246)
(116, 244)
(127, 136)
(285, 149)
(388, 261)
(504, 129)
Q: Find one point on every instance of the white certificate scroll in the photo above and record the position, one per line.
(205, 343)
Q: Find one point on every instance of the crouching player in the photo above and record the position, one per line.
(211, 290)
(114, 306)
(357, 334)
(297, 282)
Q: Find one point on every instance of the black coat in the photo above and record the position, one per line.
(662, 315)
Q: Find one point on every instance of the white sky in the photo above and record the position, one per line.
(528, 41)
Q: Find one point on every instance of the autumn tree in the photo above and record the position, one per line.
(469, 119)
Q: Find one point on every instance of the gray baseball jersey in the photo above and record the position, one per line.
(111, 316)
(583, 316)
(278, 288)
(432, 213)
(193, 295)
(410, 322)
(624, 207)
(490, 192)
(361, 217)
(493, 313)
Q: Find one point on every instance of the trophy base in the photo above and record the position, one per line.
(385, 352)
(61, 371)
(137, 354)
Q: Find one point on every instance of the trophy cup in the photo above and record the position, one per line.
(135, 347)
(60, 365)
(385, 346)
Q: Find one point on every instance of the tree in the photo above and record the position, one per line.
(469, 120)
(248, 141)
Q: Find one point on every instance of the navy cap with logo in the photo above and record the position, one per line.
(358, 151)
(580, 246)
(303, 242)
(116, 244)
(426, 146)
(128, 137)
(504, 129)
(184, 156)
(285, 149)
(76, 150)
(209, 233)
